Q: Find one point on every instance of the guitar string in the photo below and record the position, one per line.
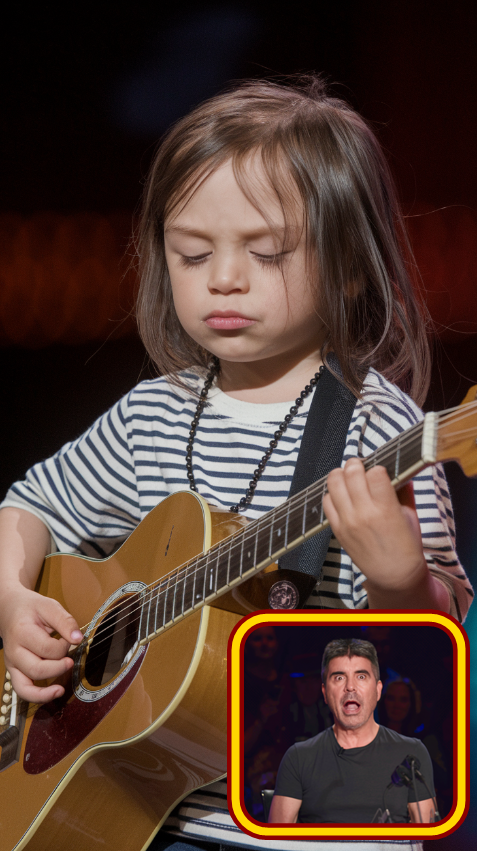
(288, 509)
(450, 414)
(185, 572)
(249, 532)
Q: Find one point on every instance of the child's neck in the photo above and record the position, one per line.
(267, 381)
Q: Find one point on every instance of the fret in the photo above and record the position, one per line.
(295, 521)
(211, 569)
(263, 541)
(160, 599)
(199, 581)
(222, 573)
(303, 525)
(194, 571)
(177, 587)
(411, 453)
(287, 519)
(313, 510)
(169, 599)
(235, 561)
(228, 562)
(146, 608)
(397, 459)
(248, 551)
(144, 616)
(189, 585)
(278, 532)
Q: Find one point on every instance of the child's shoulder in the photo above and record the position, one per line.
(163, 390)
(385, 406)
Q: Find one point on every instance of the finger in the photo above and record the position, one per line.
(28, 691)
(338, 490)
(36, 639)
(383, 497)
(35, 668)
(357, 482)
(58, 619)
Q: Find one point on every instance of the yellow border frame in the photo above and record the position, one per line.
(461, 720)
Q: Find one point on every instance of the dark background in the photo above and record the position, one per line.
(86, 90)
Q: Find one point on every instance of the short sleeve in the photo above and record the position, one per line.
(86, 493)
(289, 782)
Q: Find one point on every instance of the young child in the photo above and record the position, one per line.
(270, 238)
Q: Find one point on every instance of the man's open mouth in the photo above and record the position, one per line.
(351, 706)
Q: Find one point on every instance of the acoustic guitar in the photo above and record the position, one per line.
(142, 722)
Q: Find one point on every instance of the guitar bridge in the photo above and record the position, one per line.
(12, 722)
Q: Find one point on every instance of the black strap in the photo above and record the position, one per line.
(322, 448)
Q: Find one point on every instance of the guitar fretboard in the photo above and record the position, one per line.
(264, 541)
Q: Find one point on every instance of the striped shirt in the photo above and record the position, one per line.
(96, 489)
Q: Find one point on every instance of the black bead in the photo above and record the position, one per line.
(288, 418)
(190, 476)
(252, 486)
(303, 394)
(299, 401)
(257, 472)
(273, 444)
(277, 435)
(243, 501)
(294, 410)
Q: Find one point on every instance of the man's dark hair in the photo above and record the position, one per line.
(349, 647)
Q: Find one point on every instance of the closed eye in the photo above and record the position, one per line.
(270, 259)
(196, 260)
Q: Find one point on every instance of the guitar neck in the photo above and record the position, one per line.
(262, 542)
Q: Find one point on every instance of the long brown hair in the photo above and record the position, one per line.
(320, 146)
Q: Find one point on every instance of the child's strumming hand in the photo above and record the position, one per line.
(383, 538)
(31, 653)
(27, 619)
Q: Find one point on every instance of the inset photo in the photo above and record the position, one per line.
(348, 725)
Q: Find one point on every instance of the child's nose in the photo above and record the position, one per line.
(228, 275)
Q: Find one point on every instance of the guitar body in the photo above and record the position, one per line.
(142, 722)
(105, 773)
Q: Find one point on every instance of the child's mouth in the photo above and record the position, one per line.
(230, 322)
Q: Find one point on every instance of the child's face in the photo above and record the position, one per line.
(238, 291)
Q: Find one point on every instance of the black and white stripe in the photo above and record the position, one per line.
(95, 491)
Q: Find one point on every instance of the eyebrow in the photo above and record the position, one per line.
(360, 671)
(253, 234)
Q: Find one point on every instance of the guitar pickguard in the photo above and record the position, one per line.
(58, 727)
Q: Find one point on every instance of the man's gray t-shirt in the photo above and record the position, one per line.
(347, 786)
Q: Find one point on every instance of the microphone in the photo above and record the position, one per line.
(404, 775)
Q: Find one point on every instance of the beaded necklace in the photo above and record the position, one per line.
(211, 375)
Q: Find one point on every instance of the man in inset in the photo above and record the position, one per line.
(355, 771)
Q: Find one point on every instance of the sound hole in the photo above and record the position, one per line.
(114, 639)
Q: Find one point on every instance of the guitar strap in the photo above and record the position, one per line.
(321, 450)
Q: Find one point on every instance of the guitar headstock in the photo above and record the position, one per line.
(457, 434)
